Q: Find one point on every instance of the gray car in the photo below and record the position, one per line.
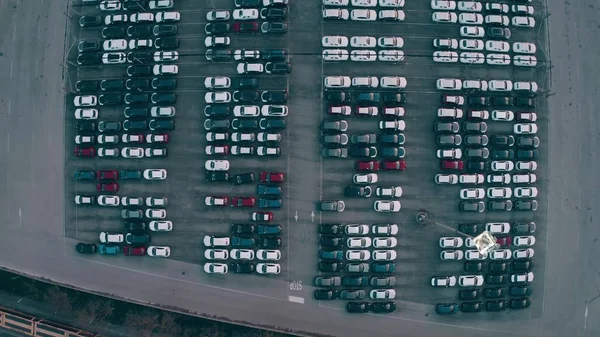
(334, 281)
(332, 206)
(132, 214)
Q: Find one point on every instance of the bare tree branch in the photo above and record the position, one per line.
(59, 300)
(146, 320)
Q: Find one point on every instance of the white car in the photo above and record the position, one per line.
(387, 206)
(522, 9)
(449, 84)
(449, 153)
(443, 281)
(240, 137)
(367, 178)
(219, 82)
(498, 20)
(87, 100)
(470, 31)
(217, 137)
(469, 243)
(114, 58)
(142, 17)
(216, 254)
(217, 97)
(396, 125)
(526, 165)
(390, 55)
(358, 255)
(246, 54)
(115, 44)
(390, 42)
(500, 254)
(268, 268)
(444, 17)
(337, 82)
(524, 48)
(160, 226)
(365, 82)
(155, 174)
(445, 56)
(153, 152)
(167, 17)
(242, 150)
(154, 213)
(472, 58)
(108, 152)
(529, 86)
(499, 193)
(115, 19)
(334, 41)
(215, 241)
(470, 280)
(497, 46)
(165, 69)
(384, 229)
(336, 2)
(246, 111)
(503, 115)
(131, 138)
(384, 255)
(451, 242)
(481, 85)
(521, 278)
(472, 193)
(242, 254)
(523, 21)
(526, 192)
(132, 201)
(474, 255)
(217, 41)
(524, 178)
(215, 150)
(268, 151)
(140, 44)
(395, 82)
(335, 55)
(364, 3)
(500, 85)
(250, 68)
(158, 251)
(449, 255)
(110, 6)
(396, 111)
(382, 294)
(389, 242)
(445, 43)
(268, 255)
(218, 16)
(363, 55)
(367, 111)
(245, 14)
(336, 13)
(389, 192)
(108, 200)
(391, 15)
(363, 41)
(358, 229)
(132, 152)
(215, 268)
(363, 242)
(363, 15)
(523, 253)
(471, 44)
(498, 59)
(160, 4)
(166, 56)
(498, 178)
(496, 7)
(450, 113)
(469, 6)
(502, 166)
(162, 111)
(82, 139)
(107, 237)
(86, 113)
(498, 227)
(216, 165)
(470, 19)
(391, 3)
(525, 128)
(524, 60)
(264, 137)
(443, 5)
(450, 179)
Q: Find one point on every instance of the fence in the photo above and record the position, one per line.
(32, 326)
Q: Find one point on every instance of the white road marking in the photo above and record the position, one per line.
(296, 299)
(7, 142)
(20, 218)
(33, 141)
(14, 32)
(585, 316)
(11, 69)
(37, 68)
(9, 105)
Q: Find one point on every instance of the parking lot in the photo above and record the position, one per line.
(309, 177)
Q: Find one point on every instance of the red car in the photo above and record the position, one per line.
(107, 175)
(370, 166)
(505, 241)
(262, 216)
(107, 187)
(137, 251)
(397, 165)
(452, 165)
(85, 152)
(272, 177)
(243, 202)
(245, 27)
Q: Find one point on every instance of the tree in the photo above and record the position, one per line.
(212, 330)
(95, 311)
(189, 332)
(33, 290)
(145, 320)
(168, 323)
(59, 300)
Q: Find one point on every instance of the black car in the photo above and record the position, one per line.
(217, 110)
(446, 308)
(478, 100)
(218, 55)
(272, 124)
(136, 98)
(476, 165)
(355, 281)
(86, 248)
(136, 112)
(447, 140)
(473, 267)
(450, 127)
(268, 190)
(217, 28)
(367, 97)
(243, 178)
(112, 85)
(528, 102)
(476, 140)
(331, 266)
(129, 125)
(245, 83)
(495, 305)
(90, 21)
(470, 229)
(273, 54)
(504, 154)
(494, 292)
(242, 229)
(503, 205)
(214, 177)
(519, 303)
(526, 205)
(520, 291)
(137, 239)
(113, 32)
(331, 241)
(324, 294)
(139, 84)
(164, 30)
(130, 175)
(337, 96)
(497, 267)
(502, 140)
(269, 243)
(163, 98)
(139, 31)
(88, 59)
(110, 99)
(363, 152)
(139, 57)
(88, 46)
(475, 127)
(394, 98)
(498, 33)
(84, 175)
(469, 294)
(268, 229)
(273, 27)
(139, 71)
(269, 203)
(383, 267)
(278, 67)
(164, 83)
(363, 138)
(273, 14)
(524, 227)
(134, 226)
(383, 307)
(134, 6)
(392, 138)
(330, 228)
(522, 265)
(502, 100)
(331, 255)
(354, 294)
(242, 268)
(274, 96)
(86, 86)
(358, 307)
(216, 124)
(528, 141)
(481, 153)
(243, 242)
(495, 279)
(527, 154)
(245, 96)
(166, 43)
(356, 191)
(471, 307)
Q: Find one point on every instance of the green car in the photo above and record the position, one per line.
(108, 250)
(84, 175)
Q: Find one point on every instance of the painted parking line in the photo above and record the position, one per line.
(296, 299)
